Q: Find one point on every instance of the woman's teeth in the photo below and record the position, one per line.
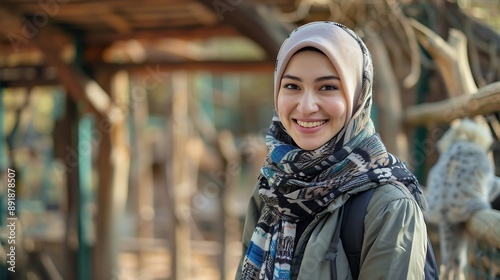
(310, 124)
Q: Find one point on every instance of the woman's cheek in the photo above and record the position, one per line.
(341, 106)
(283, 104)
(335, 108)
(342, 109)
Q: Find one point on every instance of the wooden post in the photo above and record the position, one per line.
(113, 158)
(104, 259)
(114, 162)
(120, 159)
(65, 150)
(229, 221)
(142, 175)
(181, 250)
(388, 100)
(84, 211)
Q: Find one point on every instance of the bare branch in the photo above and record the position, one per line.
(485, 101)
(485, 225)
(450, 56)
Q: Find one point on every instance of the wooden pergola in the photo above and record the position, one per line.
(93, 26)
(67, 43)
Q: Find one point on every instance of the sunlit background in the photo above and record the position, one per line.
(135, 129)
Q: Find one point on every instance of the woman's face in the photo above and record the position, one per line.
(311, 102)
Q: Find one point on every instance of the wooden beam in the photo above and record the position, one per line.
(192, 33)
(116, 21)
(267, 32)
(6, 48)
(91, 5)
(213, 66)
(17, 31)
(78, 85)
(51, 41)
(30, 83)
(9, 21)
(28, 76)
(200, 12)
(44, 75)
(485, 101)
(107, 37)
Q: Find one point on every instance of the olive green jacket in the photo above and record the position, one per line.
(394, 245)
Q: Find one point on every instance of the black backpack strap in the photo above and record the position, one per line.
(431, 270)
(351, 231)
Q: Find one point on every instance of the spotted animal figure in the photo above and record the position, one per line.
(460, 183)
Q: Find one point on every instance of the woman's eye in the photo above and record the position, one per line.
(291, 86)
(329, 87)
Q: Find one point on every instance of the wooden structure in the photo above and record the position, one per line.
(91, 48)
(85, 46)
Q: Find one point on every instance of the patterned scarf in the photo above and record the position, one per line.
(297, 184)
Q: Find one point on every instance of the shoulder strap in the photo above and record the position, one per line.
(351, 230)
(431, 270)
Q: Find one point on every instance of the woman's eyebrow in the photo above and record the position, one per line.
(332, 77)
(287, 76)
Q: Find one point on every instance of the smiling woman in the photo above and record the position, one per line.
(323, 149)
(311, 102)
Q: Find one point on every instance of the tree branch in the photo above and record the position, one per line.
(485, 101)
(484, 225)
(450, 57)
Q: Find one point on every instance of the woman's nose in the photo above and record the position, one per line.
(308, 103)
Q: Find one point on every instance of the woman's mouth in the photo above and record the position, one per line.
(310, 124)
